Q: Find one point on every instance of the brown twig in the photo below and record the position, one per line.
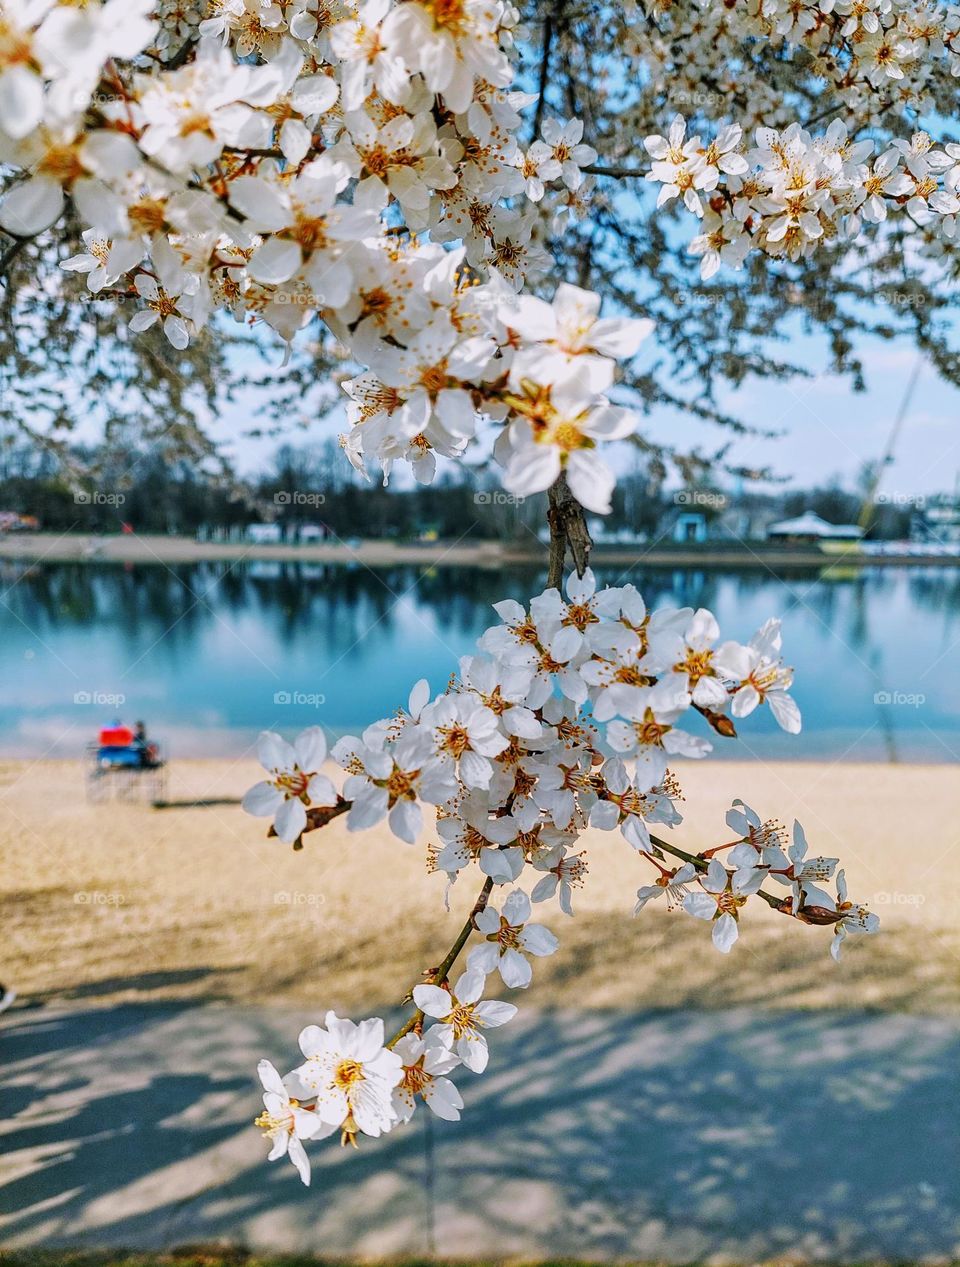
(440, 974)
(180, 56)
(11, 253)
(544, 75)
(595, 170)
(318, 816)
(701, 864)
(568, 526)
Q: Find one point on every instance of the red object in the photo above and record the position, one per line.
(116, 737)
(126, 527)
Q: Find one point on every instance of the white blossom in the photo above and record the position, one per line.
(295, 781)
(509, 938)
(463, 1016)
(286, 1123)
(426, 1062)
(349, 1074)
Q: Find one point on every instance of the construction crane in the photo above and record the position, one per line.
(865, 518)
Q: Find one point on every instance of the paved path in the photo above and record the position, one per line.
(675, 1136)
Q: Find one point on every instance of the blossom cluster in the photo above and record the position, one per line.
(568, 717)
(860, 46)
(794, 191)
(867, 55)
(359, 162)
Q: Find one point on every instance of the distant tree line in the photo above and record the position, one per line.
(313, 485)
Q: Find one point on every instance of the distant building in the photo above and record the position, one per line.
(937, 522)
(601, 534)
(742, 523)
(312, 532)
(265, 534)
(690, 526)
(808, 528)
(720, 523)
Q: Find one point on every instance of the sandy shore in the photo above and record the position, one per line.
(122, 901)
(134, 548)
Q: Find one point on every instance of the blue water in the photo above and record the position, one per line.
(208, 654)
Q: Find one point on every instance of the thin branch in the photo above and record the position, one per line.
(246, 151)
(318, 816)
(440, 974)
(595, 170)
(568, 527)
(11, 253)
(180, 56)
(544, 74)
(824, 114)
(701, 864)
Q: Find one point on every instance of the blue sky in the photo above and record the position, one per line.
(828, 429)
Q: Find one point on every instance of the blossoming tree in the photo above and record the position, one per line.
(389, 169)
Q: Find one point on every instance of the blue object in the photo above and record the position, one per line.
(120, 756)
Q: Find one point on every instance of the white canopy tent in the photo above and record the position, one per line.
(810, 525)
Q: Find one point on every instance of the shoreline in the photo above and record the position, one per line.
(238, 751)
(133, 548)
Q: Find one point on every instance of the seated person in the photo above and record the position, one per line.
(146, 749)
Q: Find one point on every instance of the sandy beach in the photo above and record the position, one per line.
(124, 902)
(653, 1101)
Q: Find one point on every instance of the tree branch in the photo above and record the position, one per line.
(180, 56)
(318, 816)
(440, 974)
(595, 170)
(701, 864)
(568, 526)
(544, 74)
(11, 253)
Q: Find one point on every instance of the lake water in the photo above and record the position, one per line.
(209, 654)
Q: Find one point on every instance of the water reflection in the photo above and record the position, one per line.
(211, 652)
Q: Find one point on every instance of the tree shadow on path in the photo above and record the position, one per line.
(665, 1135)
